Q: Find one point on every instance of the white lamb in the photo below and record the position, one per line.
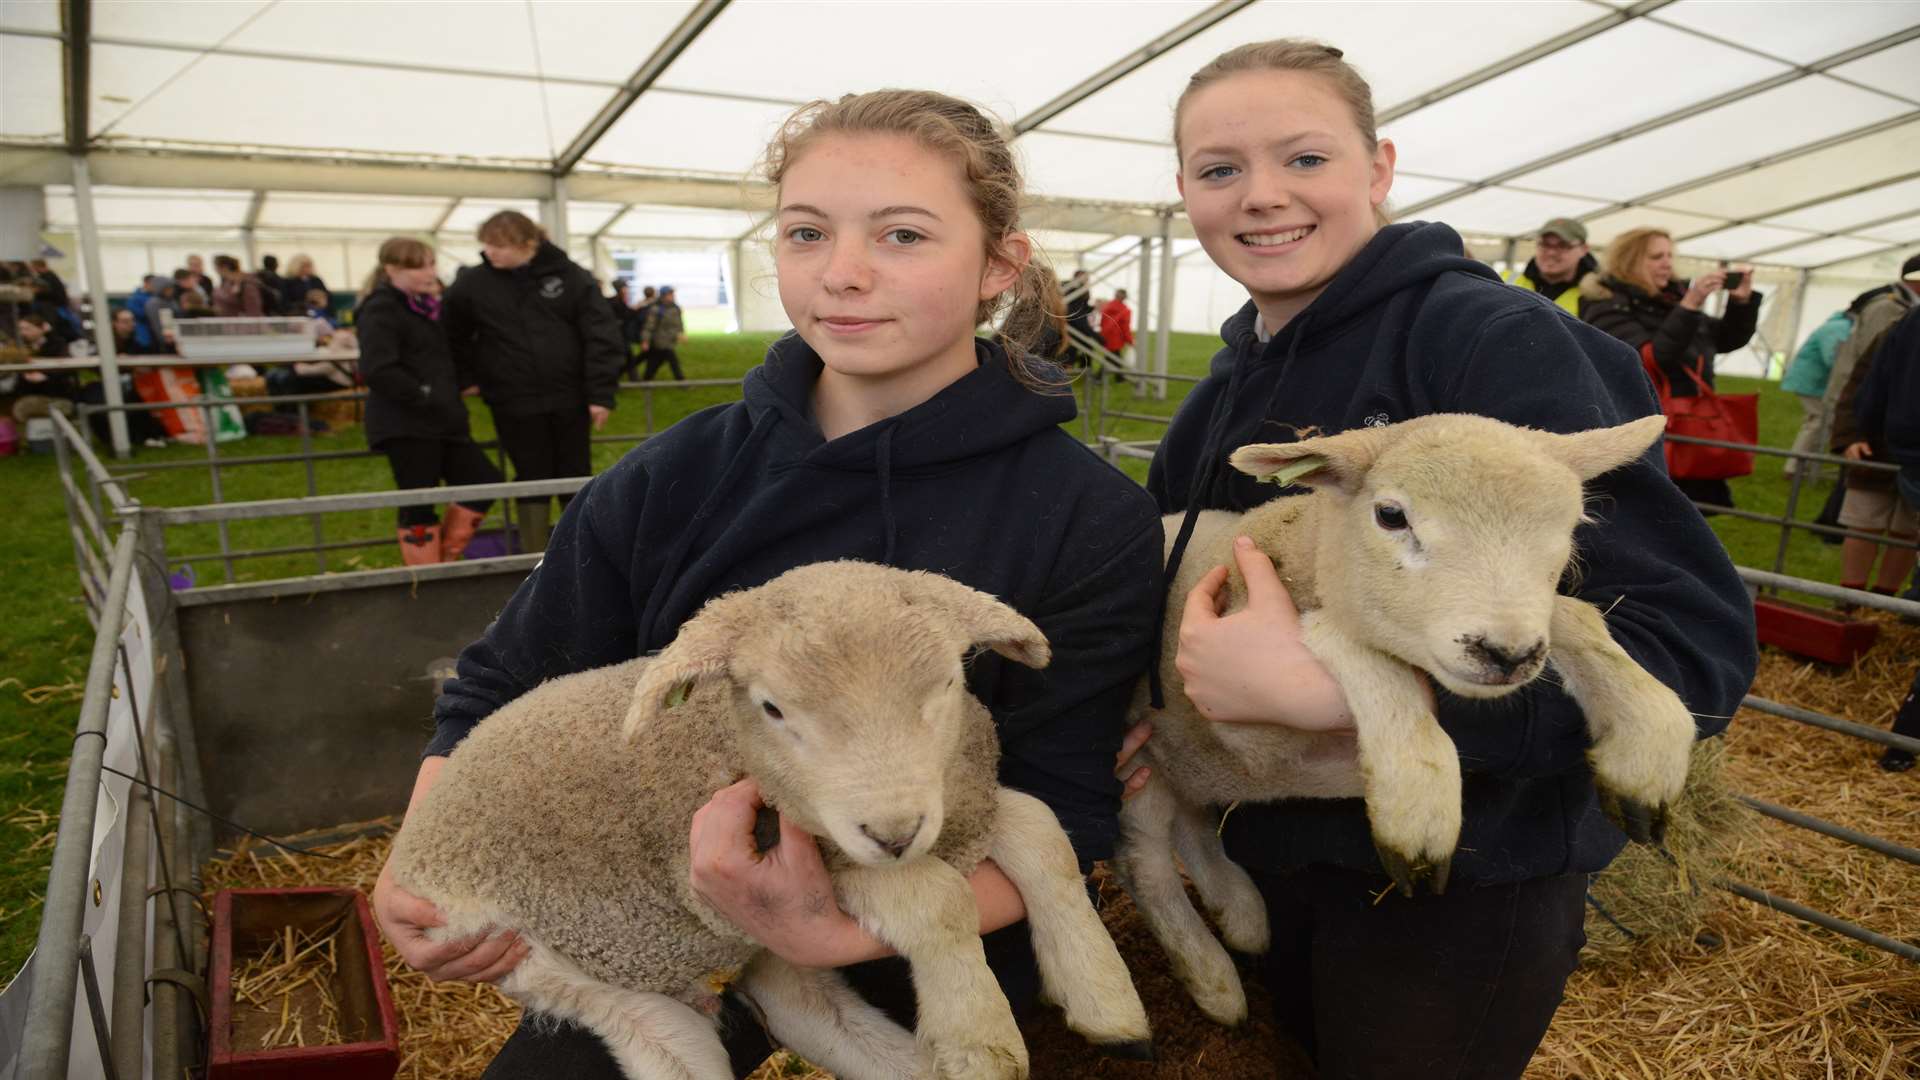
(1437, 544)
(839, 687)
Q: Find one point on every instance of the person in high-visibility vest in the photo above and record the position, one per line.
(1560, 260)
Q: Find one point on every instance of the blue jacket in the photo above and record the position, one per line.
(1409, 327)
(1888, 405)
(979, 483)
(142, 331)
(1813, 365)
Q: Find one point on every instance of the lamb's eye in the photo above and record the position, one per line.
(773, 711)
(1389, 517)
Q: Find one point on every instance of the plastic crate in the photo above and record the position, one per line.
(243, 339)
(1817, 633)
(242, 920)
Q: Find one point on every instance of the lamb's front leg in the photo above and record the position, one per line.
(1409, 767)
(1080, 967)
(1642, 732)
(926, 911)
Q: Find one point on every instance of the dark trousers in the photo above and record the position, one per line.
(542, 1050)
(1715, 492)
(1454, 987)
(424, 463)
(141, 425)
(1907, 720)
(653, 358)
(543, 446)
(283, 382)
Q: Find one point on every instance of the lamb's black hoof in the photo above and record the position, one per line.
(1137, 1050)
(1643, 824)
(1405, 874)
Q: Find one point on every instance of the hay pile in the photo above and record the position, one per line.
(283, 991)
(1773, 998)
(1777, 998)
(1649, 895)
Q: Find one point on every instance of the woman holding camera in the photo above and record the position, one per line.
(1637, 299)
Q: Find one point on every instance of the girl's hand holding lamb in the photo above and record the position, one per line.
(1133, 778)
(405, 919)
(780, 897)
(1251, 666)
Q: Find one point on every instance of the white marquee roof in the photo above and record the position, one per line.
(1785, 131)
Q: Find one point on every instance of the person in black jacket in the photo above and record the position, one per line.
(883, 430)
(1078, 293)
(529, 326)
(1354, 322)
(633, 331)
(299, 281)
(1638, 300)
(618, 305)
(42, 392)
(1887, 410)
(274, 287)
(414, 412)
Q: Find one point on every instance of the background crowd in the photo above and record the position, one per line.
(548, 378)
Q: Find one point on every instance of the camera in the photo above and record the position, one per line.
(1734, 278)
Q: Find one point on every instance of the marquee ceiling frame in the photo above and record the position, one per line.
(118, 159)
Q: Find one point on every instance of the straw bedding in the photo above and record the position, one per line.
(1713, 985)
(283, 993)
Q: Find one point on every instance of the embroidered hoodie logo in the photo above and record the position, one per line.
(552, 287)
(1378, 419)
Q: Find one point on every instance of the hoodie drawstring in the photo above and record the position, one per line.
(670, 571)
(1203, 494)
(883, 466)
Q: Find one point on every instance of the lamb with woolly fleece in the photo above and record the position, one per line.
(839, 687)
(1434, 545)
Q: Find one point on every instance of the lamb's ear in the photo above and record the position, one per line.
(981, 619)
(700, 651)
(1591, 453)
(1338, 461)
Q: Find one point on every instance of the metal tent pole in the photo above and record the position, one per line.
(1145, 333)
(1163, 333)
(553, 212)
(736, 289)
(102, 312)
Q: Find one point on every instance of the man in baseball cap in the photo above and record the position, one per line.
(1560, 260)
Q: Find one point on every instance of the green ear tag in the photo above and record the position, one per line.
(1297, 469)
(678, 695)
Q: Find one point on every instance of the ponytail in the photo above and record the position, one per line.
(373, 281)
(1033, 308)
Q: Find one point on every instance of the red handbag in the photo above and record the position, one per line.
(1733, 418)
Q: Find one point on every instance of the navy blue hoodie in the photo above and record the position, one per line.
(978, 483)
(1409, 327)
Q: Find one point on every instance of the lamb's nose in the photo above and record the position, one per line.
(1506, 660)
(894, 837)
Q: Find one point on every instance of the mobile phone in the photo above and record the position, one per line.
(1734, 278)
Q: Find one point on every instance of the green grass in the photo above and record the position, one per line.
(45, 637)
